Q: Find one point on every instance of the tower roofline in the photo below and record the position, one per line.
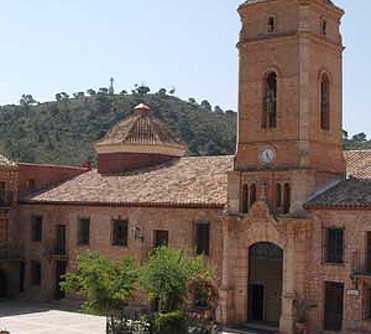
(327, 3)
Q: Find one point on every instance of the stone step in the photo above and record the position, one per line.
(250, 329)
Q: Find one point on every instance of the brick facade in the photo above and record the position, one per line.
(262, 202)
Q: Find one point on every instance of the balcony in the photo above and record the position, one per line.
(10, 252)
(361, 264)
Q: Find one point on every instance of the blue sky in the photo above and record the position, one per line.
(50, 46)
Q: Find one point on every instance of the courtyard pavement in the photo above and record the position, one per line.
(26, 318)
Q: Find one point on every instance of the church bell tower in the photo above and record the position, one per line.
(290, 104)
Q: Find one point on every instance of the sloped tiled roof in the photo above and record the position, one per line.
(350, 193)
(140, 128)
(187, 181)
(197, 181)
(358, 163)
(355, 192)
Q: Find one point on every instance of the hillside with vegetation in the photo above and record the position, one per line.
(63, 131)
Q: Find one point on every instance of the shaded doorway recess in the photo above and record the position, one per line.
(3, 284)
(334, 304)
(265, 283)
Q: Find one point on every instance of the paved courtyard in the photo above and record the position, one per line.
(26, 318)
(43, 319)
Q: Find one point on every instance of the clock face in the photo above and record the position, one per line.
(267, 156)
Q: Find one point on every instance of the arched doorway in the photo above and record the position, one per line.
(265, 283)
(3, 285)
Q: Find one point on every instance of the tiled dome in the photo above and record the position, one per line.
(137, 141)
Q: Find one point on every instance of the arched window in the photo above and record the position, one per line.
(286, 198)
(271, 24)
(252, 194)
(270, 102)
(245, 199)
(278, 195)
(325, 102)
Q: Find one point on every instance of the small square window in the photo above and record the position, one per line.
(161, 238)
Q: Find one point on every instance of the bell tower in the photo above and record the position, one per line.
(290, 103)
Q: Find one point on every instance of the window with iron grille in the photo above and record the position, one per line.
(83, 237)
(36, 273)
(120, 233)
(36, 228)
(335, 246)
(161, 238)
(203, 238)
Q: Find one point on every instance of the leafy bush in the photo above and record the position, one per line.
(167, 276)
(107, 285)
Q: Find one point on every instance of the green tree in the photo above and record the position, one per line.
(360, 137)
(78, 95)
(162, 92)
(206, 105)
(141, 90)
(91, 92)
(168, 274)
(27, 99)
(107, 285)
(103, 91)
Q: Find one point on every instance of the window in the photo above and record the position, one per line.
(36, 228)
(335, 245)
(368, 253)
(83, 237)
(278, 195)
(271, 24)
(35, 273)
(203, 238)
(325, 103)
(31, 184)
(270, 102)
(161, 238)
(245, 198)
(286, 198)
(252, 194)
(2, 193)
(120, 233)
(324, 27)
(368, 304)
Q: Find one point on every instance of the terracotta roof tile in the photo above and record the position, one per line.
(197, 180)
(358, 163)
(350, 193)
